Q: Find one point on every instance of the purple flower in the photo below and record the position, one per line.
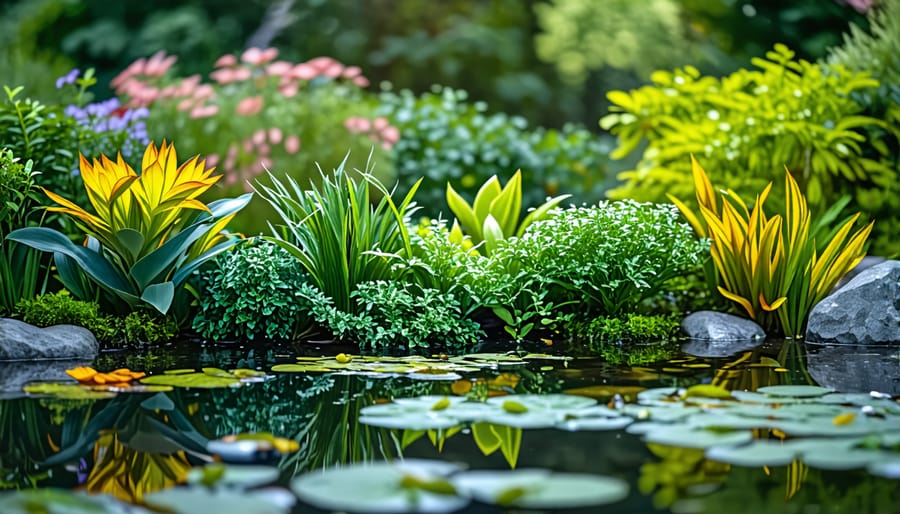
(68, 78)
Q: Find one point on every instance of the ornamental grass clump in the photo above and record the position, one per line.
(147, 233)
(775, 266)
(609, 257)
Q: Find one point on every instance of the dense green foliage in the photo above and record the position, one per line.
(60, 308)
(751, 124)
(20, 266)
(254, 291)
(608, 257)
(444, 138)
(393, 315)
(337, 230)
(628, 328)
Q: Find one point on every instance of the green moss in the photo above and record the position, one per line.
(633, 339)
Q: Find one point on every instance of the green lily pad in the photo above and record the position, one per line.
(300, 368)
(55, 501)
(889, 468)
(540, 489)
(691, 437)
(755, 454)
(199, 380)
(181, 371)
(757, 397)
(410, 421)
(379, 488)
(583, 424)
(190, 500)
(67, 391)
(844, 460)
(244, 476)
(545, 402)
(795, 391)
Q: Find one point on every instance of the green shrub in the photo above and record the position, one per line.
(60, 308)
(394, 314)
(20, 266)
(629, 328)
(445, 139)
(607, 258)
(749, 125)
(335, 231)
(254, 291)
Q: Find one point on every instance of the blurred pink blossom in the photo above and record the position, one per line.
(288, 90)
(225, 61)
(361, 81)
(188, 85)
(334, 70)
(275, 135)
(258, 137)
(352, 72)
(304, 71)
(292, 144)
(204, 91)
(279, 68)
(211, 160)
(380, 123)
(861, 6)
(257, 57)
(249, 106)
(390, 134)
(159, 64)
(242, 73)
(224, 75)
(204, 111)
(186, 104)
(320, 63)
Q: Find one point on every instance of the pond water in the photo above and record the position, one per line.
(130, 445)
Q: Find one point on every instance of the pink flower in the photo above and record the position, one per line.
(351, 72)
(279, 68)
(204, 91)
(361, 81)
(186, 104)
(266, 163)
(159, 64)
(188, 85)
(304, 71)
(223, 75)
(249, 106)
(242, 73)
(292, 144)
(258, 137)
(380, 123)
(288, 90)
(168, 91)
(248, 145)
(257, 57)
(334, 70)
(861, 6)
(225, 61)
(211, 160)
(231, 179)
(320, 63)
(204, 111)
(390, 134)
(275, 135)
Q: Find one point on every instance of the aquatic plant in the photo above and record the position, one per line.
(495, 214)
(775, 266)
(335, 231)
(149, 232)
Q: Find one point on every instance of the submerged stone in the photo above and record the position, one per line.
(721, 327)
(864, 311)
(20, 341)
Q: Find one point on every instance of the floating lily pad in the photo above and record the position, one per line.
(200, 380)
(536, 419)
(886, 468)
(579, 424)
(53, 501)
(190, 500)
(555, 402)
(540, 489)
(68, 391)
(380, 487)
(602, 392)
(844, 460)
(410, 421)
(690, 437)
(796, 391)
(300, 368)
(757, 453)
(429, 401)
(243, 476)
(757, 397)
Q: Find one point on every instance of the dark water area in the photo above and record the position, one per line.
(126, 447)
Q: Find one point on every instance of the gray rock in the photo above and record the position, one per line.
(855, 369)
(710, 349)
(20, 341)
(718, 326)
(14, 375)
(865, 311)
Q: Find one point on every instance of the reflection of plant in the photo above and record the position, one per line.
(750, 124)
(495, 213)
(150, 230)
(443, 138)
(778, 267)
(333, 230)
(676, 472)
(254, 291)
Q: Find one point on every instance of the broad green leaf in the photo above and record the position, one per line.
(160, 296)
(464, 213)
(508, 205)
(489, 191)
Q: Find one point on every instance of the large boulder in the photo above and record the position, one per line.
(718, 326)
(866, 310)
(21, 341)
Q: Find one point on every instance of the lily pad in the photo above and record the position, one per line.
(199, 380)
(581, 424)
(410, 421)
(243, 476)
(795, 391)
(757, 453)
(56, 501)
(554, 402)
(190, 500)
(67, 391)
(886, 468)
(540, 489)
(379, 487)
(690, 437)
(844, 460)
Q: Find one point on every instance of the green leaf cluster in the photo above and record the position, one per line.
(443, 138)
(607, 258)
(254, 291)
(748, 125)
(60, 308)
(341, 235)
(627, 328)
